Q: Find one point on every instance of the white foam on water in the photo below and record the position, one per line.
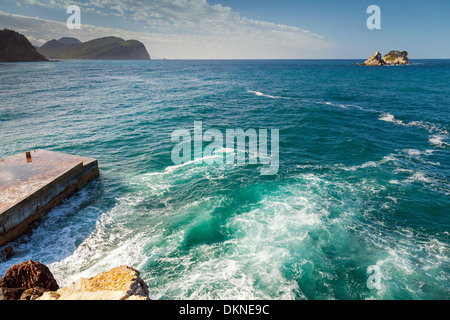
(438, 134)
(343, 106)
(217, 157)
(419, 155)
(321, 102)
(196, 161)
(401, 250)
(98, 253)
(419, 177)
(406, 254)
(117, 239)
(437, 140)
(340, 166)
(250, 264)
(430, 127)
(226, 150)
(415, 152)
(231, 276)
(57, 234)
(368, 164)
(390, 118)
(260, 94)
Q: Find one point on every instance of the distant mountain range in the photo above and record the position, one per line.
(107, 48)
(15, 47)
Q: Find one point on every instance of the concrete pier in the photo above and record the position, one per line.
(33, 183)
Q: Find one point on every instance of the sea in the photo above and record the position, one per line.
(357, 208)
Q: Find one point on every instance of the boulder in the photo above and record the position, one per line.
(121, 283)
(27, 275)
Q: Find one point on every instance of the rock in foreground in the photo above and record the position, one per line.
(32, 280)
(121, 283)
(28, 275)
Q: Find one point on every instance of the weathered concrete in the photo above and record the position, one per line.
(29, 190)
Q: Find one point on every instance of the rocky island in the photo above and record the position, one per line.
(15, 47)
(393, 58)
(106, 48)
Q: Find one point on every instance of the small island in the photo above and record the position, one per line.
(393, 58)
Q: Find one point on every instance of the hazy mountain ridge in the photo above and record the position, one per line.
(106, 48)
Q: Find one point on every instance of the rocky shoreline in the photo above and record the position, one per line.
(32, 280)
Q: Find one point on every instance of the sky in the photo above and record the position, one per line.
(244, 29)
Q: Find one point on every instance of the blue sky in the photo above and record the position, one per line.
(245, 28)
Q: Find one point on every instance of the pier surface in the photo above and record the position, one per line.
(29, 190)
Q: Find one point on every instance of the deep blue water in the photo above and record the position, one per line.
(362, 191)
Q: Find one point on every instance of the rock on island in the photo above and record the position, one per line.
(393, 58)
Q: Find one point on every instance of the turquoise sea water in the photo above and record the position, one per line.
(362, 191)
